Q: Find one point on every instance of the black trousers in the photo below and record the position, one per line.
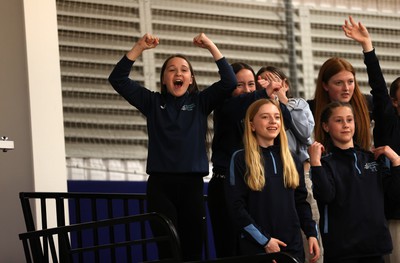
(180, 198)
(225, 238)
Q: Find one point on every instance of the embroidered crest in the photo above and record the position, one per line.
(371, 166)
(188, 107)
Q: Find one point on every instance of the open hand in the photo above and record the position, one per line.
(358, 32)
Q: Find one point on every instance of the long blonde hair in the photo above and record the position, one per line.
(255, 173)
(361, 115)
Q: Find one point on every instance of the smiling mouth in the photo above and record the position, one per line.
(178, 83)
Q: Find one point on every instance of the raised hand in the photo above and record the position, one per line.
(358, 32)
(147, 41)
(201, 40)
(271, 83)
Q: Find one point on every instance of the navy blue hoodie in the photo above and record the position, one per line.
(176, 126)
(349, 188)
(275, 211)
(387, 120)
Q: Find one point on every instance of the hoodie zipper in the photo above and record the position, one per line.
(355, 163)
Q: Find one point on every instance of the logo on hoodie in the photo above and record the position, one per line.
(188, 107)
(371, 166)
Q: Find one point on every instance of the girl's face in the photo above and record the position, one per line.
(266, 124)
(340, 127)
(177, 76)
(246, 82)
(340, 87)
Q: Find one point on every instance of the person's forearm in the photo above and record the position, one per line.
(134, 53)
(217, 55)
(367, 46)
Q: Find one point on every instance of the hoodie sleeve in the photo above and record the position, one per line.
(238, 105)
(391, 184)
(287, 117)
(383, 111)
(214, 95)
(323, 183)
(130, 90)
(236, 196)
(302, 120)
(303, 208)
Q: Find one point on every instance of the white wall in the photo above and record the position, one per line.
(30, 113)
(45, 95)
